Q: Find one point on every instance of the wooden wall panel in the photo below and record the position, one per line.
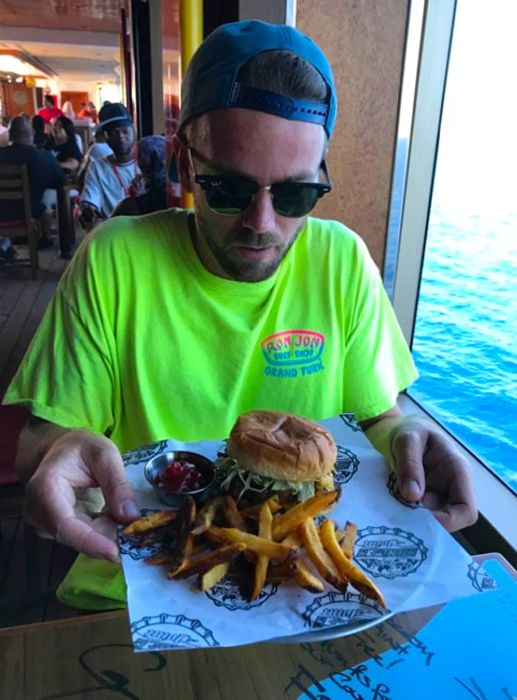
(364, 40)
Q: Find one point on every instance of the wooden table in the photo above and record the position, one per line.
(91, 656)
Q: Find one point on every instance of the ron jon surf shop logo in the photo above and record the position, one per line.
(293, 353)
(389, 551)
(167, 631)
(337, 609)
(231, 592)
(145, 453)
(347, 464)
(480, 579)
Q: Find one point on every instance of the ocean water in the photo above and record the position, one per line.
(466, 330)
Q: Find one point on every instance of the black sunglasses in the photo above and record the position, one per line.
(233, 194)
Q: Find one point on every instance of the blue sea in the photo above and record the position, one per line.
(466, 331)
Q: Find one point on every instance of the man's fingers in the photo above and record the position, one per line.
(407, 450)
(80, 536)
(107, 467)
(456, 517)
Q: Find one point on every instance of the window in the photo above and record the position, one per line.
(455, 286)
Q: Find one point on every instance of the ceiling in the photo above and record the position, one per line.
(76, 39)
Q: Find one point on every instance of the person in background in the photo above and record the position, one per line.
(98, 150)
(167, 324)
(40, 134)
(88, 111)
(63, 143)
(45, 174)
(151, 185)
(68, 110)
(4, 135)
(108, 180)
(49, 110)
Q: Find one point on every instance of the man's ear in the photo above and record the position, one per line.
(183, 163)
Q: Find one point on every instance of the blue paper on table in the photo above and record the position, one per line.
(471, 653)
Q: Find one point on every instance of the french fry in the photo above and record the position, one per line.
(160, 558)
(264, 530)
(259, 545)
(347, 569)
(278, 573)
(306, 579)
(297, 515)
(232, 515)
(348, 542)
(293, 539)
(184, 540)
(150, 522)
(213, 576)
(206, 515)
(319, 557)
(208, 561)
(253, 511)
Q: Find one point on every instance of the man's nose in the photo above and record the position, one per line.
(260, 215)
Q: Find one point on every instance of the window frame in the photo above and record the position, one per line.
(497, 503)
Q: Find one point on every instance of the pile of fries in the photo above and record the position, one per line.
(279, 543)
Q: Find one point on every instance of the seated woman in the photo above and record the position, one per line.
(63, 144)
(151, 186)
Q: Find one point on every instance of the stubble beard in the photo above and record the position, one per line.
(243, 270)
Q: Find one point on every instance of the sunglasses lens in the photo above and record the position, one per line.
(230, 195)
(294, 199)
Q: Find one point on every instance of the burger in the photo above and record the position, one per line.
(271, 452)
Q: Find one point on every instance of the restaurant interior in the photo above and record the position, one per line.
(86, 53)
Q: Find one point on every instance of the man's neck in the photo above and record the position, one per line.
(123, 159)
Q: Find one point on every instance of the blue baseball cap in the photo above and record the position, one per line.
(211, 78)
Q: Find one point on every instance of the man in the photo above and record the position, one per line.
(137, 326)
(49, 111)
(107, 180)
(44, 172)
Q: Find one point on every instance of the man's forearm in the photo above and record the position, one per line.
(35, 440)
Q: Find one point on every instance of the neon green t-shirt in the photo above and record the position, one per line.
(142, 343)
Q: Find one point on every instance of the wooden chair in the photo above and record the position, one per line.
(14, 186)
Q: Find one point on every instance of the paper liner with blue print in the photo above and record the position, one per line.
(389, 551)
(412, 559)
(340, 609)
(167, 631)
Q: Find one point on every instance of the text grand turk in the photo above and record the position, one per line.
(293, 353)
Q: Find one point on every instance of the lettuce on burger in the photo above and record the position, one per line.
(272, 452)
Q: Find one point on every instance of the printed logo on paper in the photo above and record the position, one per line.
(336, 609)
(389, 551)
(293, 353)
(350, 420)
(144, 545)
(479, 578)
(347, 464)
(394, 489)
(145, 453)
(231, 593)
(170, 632)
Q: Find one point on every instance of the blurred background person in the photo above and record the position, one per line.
(108, 180)
(40, 134)
(44, 172)
(49, 110)
(150, 186)
(63, 143)
(68, 110)
(88, 111)
(4, 135)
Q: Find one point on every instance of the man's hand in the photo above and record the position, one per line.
(89, 215)
(79, 459)
(429, 468)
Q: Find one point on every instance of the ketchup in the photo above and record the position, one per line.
(181, 475)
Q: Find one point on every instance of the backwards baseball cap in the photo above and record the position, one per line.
(211, 81)
(113, 114)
